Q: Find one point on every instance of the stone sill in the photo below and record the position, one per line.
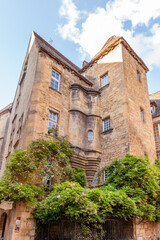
(55, 90)
(108, 131)
(106, 86)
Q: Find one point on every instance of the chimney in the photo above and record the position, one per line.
(85, 63)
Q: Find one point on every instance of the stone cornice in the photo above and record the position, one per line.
(87, 115)
(85, 89)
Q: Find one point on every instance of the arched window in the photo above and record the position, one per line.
(90, 135)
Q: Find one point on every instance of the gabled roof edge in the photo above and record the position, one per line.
(109, 48)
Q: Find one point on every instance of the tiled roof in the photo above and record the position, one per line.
(5, 109)
(52, 51)
(155, 97)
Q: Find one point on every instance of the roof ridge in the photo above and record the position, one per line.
(56, 51)
(154, 93)
(6, 108)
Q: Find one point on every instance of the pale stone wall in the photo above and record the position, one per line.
(141, 137)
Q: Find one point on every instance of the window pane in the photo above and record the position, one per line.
(104, 80)
(57, 76)
(52, 123)
(53, 74)
(55, 80)
(156, 128)
(142, 115)
(106, 124)
(90, 135)
(138, 76)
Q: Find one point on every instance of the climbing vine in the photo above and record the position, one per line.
(42, 176)
(31, 173)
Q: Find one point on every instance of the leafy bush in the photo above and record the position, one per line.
(140, 181)
(89, 207)
(46, 161)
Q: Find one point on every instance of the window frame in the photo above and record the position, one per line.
(102, 77)
(105, 130)
(158, 155)
(90, 139)
(142, 116)
(50, 120)
(156, 129)
(55, 80)
(138, 76)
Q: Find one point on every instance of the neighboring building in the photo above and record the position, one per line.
(103, 108)
(155, 110)
(4, 121)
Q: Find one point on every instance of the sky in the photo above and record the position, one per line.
(78, 29)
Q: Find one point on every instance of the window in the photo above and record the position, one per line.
(90, 135)
(104, 80)
(158, 155)
(20, 126)
(152, 109)
(93, 99)
(142, 114)
(138, 76)
(52, 124)
(55, 80)
(106, 124)
(156, 128)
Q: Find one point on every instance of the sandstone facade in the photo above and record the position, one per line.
(103, 108)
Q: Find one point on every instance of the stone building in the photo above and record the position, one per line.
(155, 110)
(103, 108)
(4, 121)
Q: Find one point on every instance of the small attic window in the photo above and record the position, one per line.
(138, 76)
(142, 114)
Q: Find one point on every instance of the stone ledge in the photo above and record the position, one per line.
(108, 131)
(102, 88)
(55, 90)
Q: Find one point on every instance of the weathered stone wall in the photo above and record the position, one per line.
(4, 122)
(27, 225)
(78, 113)
(114, 143)
(17, 131)
(141, 137)
(147, 231)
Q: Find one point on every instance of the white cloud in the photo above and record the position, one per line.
(108, 21)
(70, 12)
